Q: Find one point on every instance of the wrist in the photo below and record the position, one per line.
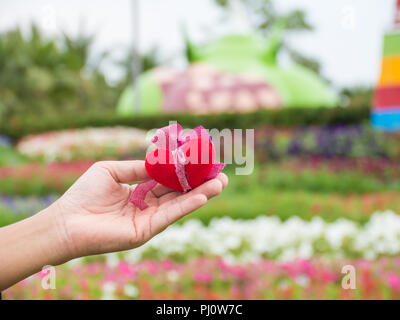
(58, 244)
(29, 245)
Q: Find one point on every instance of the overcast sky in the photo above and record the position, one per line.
(347, 39)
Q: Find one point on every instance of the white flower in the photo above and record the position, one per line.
(131, 291)
(173, 275)
(108, 291)
(302, 280)
(249, 240)
(112, 260)
(63, 144)
(75, 262)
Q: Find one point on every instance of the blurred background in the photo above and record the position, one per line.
(319, 81)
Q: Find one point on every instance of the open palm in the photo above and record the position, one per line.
(95, 215)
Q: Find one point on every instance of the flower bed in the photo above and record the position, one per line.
(263, 237)
(344, 176)
(5, 141)
(15, 208)
(92, 143)
(340, 141)
(40, 179)
(26, 206)
(382, 168)
(286, 117)
(8, 155)
(215, 279)
(345, 141)
(269, 237)
(234, 203)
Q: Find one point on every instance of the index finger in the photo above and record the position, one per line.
(125, 171)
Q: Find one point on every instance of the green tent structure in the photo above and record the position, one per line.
(234, 73)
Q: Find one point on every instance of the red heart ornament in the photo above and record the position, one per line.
(199, 157)
(181, 162)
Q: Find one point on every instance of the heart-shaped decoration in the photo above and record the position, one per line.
(197, 155)
(181, 162)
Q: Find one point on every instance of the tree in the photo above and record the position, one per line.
(358, 96)
(264, 16)
(148, 61)
(46, 76)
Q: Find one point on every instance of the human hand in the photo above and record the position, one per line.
(95, 216)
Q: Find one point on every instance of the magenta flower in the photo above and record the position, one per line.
(84, 284)
(239, 272)
(43, 273)
(168, 264)
(393, 281)
(152, 266)
(127, 270)
(203, 277)
(209, 278)
(328, 276)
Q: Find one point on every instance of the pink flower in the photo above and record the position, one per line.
(127, 270)
(167, 265)
(203, 277)
(236, 291)
(152, 267)
(239, 272)
(110, 277)
(393, 280)
(307, 267)
(291, 269)
(364, 264)
(84, 284)
(93, 268)
(43, 273)
(328, 276)
(66, 291)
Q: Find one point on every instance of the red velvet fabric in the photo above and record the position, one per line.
(199, 154)
(181, 162)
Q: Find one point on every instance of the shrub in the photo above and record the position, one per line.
(45, 76)
(326, 142)
(18, 127)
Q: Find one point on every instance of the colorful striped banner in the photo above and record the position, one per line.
(390, 72)
(386, 105)
(386, 120)
(387, 97)
(391, 44)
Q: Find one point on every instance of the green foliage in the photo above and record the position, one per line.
(302, 60)
(264, 15)
(338, 142)
(357, 96)
(40, 76)
(272, 176)
(273, 189)
(7, 217)
(9, 157)
(286, 117)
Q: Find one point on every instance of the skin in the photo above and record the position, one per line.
(95, 216)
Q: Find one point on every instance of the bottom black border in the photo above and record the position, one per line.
(221, 309)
